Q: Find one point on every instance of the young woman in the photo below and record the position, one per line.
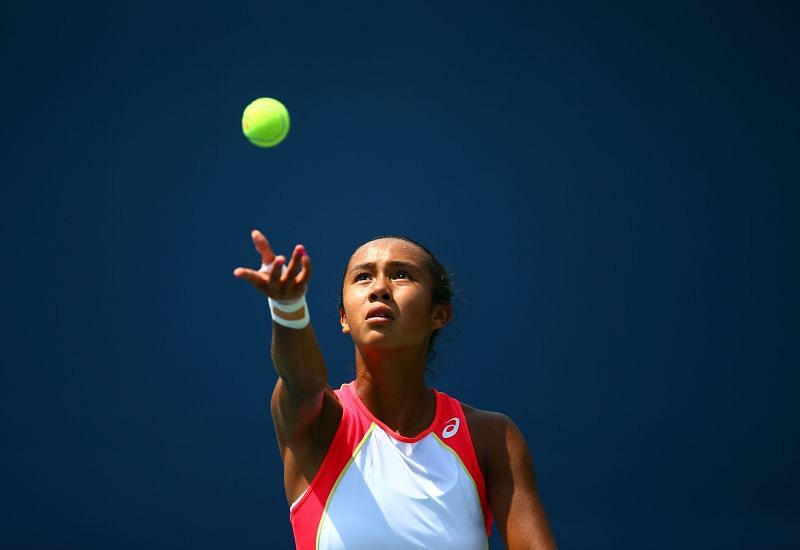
(386, 462)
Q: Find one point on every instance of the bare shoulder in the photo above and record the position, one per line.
(482, 418)
(483, 424)
(493, 435)
(507, 465)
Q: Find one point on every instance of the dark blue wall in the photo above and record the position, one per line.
(614, 187)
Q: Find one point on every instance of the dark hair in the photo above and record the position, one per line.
(442, 292)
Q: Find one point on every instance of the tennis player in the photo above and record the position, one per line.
(385, 462)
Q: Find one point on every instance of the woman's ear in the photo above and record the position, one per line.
(343, 321)
(442, 313)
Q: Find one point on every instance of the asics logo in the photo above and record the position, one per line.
(451, 427)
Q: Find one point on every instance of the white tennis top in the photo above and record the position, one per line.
(377, 489)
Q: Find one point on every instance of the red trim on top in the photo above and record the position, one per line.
(307, 513)
(329, 457)
(477, 474)
(356, 419)
(351, 389)
(461, 443)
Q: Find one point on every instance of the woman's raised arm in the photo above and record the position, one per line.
(297, 401)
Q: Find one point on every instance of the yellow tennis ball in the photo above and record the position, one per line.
(265, 122)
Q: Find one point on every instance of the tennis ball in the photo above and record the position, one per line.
(265, 122)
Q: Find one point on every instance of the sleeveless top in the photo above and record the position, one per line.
(378, 489)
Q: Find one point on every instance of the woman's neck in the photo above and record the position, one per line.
(392, 386)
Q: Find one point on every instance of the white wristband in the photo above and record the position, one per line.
(284, 312)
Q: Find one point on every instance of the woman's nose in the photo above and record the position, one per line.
(380, 290)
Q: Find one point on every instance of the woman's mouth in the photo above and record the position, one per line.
(377, 319)
(380, 314)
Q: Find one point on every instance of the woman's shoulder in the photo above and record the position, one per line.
(490, 431)
(485, 421)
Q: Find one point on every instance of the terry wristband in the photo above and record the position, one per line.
(288, 313)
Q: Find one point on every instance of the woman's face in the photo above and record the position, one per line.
(387, 296)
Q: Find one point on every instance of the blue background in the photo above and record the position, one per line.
(614, 188)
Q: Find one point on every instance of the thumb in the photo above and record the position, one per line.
(262, 246)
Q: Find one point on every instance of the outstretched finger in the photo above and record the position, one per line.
(305, 274)
(262, 246)
(291, 269)
(255, 278)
